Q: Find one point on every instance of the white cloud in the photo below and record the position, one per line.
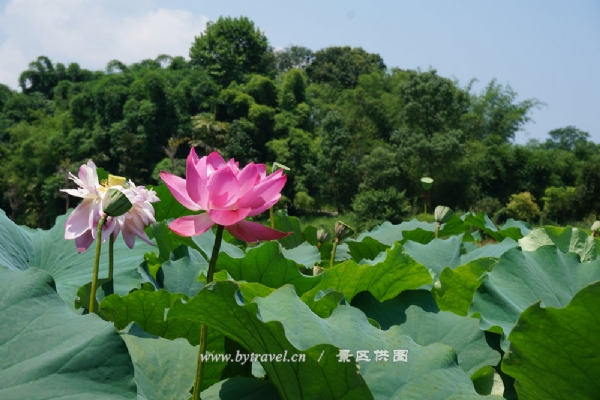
(90, 33)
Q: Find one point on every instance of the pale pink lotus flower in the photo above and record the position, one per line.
(141, 214)
(82, 224)
(227, 194)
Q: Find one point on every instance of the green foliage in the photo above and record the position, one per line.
(378, 197)
(523, 206)
(559, 203)
(341, 66)
(229, 49)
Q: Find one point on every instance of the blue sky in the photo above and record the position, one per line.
(544, 49)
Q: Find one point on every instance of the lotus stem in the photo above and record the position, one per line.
(335, 242)
(96, 263)
(272, 216)
(203, 328)
(111, 261)
(437, 228)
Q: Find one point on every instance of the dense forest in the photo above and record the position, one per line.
(357, 135)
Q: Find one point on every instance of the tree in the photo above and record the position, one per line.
(341, 66)
(293, 57)
(567, 138)
(336, 167)
(495, 112)
(231, 48)
(378, 195)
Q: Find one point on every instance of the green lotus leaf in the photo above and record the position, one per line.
(419, 317)
(554, 352)
(483, 222)
(285, 223)
(49, 352)
(456, 287)
(306, 254)
(15, 244)
(241, 388)
(164, 369)
(523, 278)
(568, 240)
(431, 372)
(388, 234)
(385, 280)
(439, 254)
(321, 376)
(149, 309)
(267, 265)
(367, 249)
(522, 225)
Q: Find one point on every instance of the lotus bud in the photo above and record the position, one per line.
(443, 214)
(322, 235)
(115, 203)
(595, 228)
(426, 182)
(342, 231)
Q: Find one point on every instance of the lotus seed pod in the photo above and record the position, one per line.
(115, 203)
(443, 214)
(342, 231)
(114, 180)
(426, 182)
(322, 235)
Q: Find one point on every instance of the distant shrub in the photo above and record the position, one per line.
(488, 205)
(559, 203)
(522, 206)
(303, 201)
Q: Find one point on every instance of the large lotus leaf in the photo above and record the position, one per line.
(483, 222)
(522, 225)
(284, 223)
(306, 254)
(48, 352)
(489, 250)
(50, 252)
(388, 234)
(456, 287)
(554, 353)
(439, 254)
(385, 280)
(164, 369)
(367, 249)
(420, 318)
(241, 388)
(342, 252)
(523, 278)
(15, 244)
(148, 310)
(568, 240)
(181, 276)
(420, 231)
(267, 265)
(319, 376)
(431, 371)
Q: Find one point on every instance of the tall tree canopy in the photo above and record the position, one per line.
(231, 48)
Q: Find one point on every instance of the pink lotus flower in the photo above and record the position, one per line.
(139, 216)
(82, 224)
(227, 194)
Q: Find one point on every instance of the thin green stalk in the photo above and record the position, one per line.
(437, 228)
(335, 243)
(203, 328)
(96, 262)
(272, 216)
(111, 261)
